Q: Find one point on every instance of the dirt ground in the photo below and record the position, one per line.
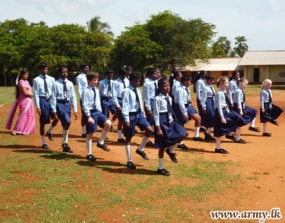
(261, 160)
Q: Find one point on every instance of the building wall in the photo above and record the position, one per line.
(268, 71)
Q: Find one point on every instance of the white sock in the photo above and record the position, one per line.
(160, 163)
(238, 133)
(43, 139)
(197, 129)
(218, 142)
(128, 152)
(144, 141)
(84, 129)
(65, 136)
(119, 134)
(89, 146)
(252, 124)
(264, 127)
(171, 148)
(103, 136)
(208, 130)
(50, 129)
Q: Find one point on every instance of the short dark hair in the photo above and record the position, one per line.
(82, 65)
(42, 65)
(59, 69)
(209, 76)
(150, 71)
(122, 71)
(185, 78)
(135, 75)
(107, 72)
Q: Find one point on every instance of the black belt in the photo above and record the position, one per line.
(93, 110)
(62, 101)
(135, 113)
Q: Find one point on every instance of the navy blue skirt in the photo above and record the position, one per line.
(208, 120)
(172, 133)
(248, 113)
(270, 114)
(199, 106)
(233, 119)
(180, 116)
(63, 110)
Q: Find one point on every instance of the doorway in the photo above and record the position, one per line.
(255, 74)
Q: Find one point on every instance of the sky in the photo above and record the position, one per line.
(260, 21)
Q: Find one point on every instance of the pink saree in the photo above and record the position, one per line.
(25, 123)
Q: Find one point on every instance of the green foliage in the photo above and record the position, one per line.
(166, 41)
(241, 46)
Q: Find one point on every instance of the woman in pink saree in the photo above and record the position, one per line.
(25, 123)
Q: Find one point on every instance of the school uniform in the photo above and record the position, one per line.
(182, 104)
(232, 118)
(105, 89)
(272, 111)
(63, 97)
(165, 118)
(42, 97)
(149, 90)
(231, 89)
(81, 83)
(132, 110)
(208, 104)
(91, 107)
(239, 104)
(176, 84)
(117, 87)
(198, 86)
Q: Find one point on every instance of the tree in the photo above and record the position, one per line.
(241, 46)
(165, 40)
(95, 25)
(224, 44)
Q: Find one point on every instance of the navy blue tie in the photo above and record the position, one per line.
(64, 90)
(46, 87)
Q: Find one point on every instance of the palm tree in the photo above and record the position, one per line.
(224, 43)
(241, 46)
(95, 25)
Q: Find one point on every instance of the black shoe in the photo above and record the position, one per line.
(150, 144)
(230, 137)
(163, 172)
(50, 136)
(121, 140)
(253, 129)
(171, 155)
(45, 146)
(90, 157)
(131, 165)
(274, 122)
(266, 134)
(208, 137)
(240, 141)
(182, 146)
(202, 129)
(223, 151)
(66, 148)
(84, 135)
(103, 146)
(198, 139)
(112, 129)
(142, 154)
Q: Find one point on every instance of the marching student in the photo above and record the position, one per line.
(247, 113)
(208, 106)
(149, 89)
(268, 111)
(81, 83)
(42, 96)
(105, 89)
(93, 115)
(168, 133)
(63, 95)
(133, 115)
(174, 82)
(118, 86)
(184, 111)
(226, 120)
(233, 86)
(198, 84)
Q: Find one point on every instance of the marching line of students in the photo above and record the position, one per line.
(162, 109)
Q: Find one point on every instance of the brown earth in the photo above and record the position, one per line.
(261, 160)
